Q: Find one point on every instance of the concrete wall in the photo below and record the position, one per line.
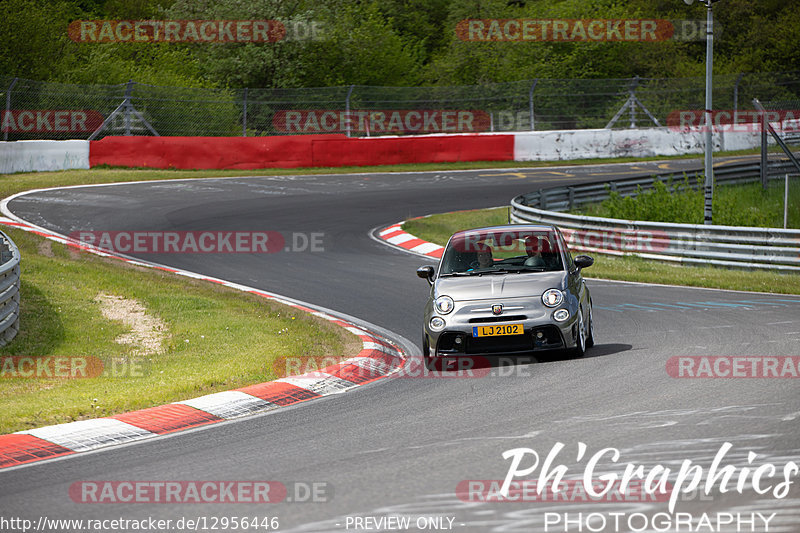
(643, 142)
(30, 156)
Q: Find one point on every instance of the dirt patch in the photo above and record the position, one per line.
(45, 248)
(147, 332)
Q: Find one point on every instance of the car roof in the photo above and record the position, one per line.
(507, 227)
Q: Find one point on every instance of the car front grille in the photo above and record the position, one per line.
(490, 319)
(529, 341)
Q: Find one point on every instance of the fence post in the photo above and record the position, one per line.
(632, 91)
(128, 91)
(8, 104)
(530, 102)
(347, 108)
(244, 115)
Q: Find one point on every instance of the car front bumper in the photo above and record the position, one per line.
(541, 330)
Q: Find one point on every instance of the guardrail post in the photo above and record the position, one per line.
(764, 162)
(542, 200)
(786, 202)
(571, 196)
(8, 104)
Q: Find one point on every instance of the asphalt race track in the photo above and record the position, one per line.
(400, 447)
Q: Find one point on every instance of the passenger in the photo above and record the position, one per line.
(534, 247)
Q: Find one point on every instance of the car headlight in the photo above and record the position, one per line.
(444, 304)
(437, 323)
(552, 298)
(561, 315)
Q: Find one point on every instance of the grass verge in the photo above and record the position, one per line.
(734, 205)
(216, 338)
(438, 228)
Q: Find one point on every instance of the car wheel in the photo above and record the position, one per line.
(426, 353)
(580, 343)
(590, 329)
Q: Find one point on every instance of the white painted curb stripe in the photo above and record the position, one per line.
(319, 382)
(426, 247)
(400, 239)
(395, 235)
(86, 435)
(229, 404)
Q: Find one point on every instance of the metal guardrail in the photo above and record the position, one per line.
(9, 289)
(732, 246)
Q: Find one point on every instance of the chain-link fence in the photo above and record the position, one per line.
(47, 110)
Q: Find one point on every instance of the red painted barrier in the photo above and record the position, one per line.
(392, 151)
(295, 151)
(204, 152)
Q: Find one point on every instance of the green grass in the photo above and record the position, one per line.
(438, 228)
(734, 205)
(217, 338)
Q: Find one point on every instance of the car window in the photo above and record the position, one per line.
(567, 252)
(486, 252)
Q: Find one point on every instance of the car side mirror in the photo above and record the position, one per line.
(584, 261)
(426, 272)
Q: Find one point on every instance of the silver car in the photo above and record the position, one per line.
(504, 290)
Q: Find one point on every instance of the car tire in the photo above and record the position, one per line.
(426, 353)
(580, 344)
(590, 329)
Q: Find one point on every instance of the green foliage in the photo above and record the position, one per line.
(665, 202)
(387, 42)
(734, 205)
(35, 42)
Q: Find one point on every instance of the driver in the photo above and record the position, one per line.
(534, 249)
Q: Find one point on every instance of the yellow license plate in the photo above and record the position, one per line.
(498, 330)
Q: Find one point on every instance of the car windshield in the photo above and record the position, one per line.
(482, 252)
